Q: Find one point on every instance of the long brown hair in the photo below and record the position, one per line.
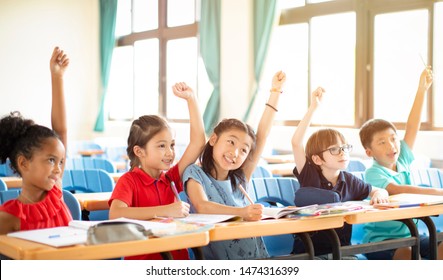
(206, 157)
(142, 130)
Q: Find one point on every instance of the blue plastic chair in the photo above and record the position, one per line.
(8, 195)
(261, 172)
(89, 180)
(6, 170)
(3, 186)
(89, 163)
(277, 191)
(73, 205)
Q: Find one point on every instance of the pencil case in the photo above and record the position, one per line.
(110, 232)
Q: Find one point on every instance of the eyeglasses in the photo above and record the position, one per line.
(337, 150)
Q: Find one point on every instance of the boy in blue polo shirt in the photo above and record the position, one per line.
(390, 170)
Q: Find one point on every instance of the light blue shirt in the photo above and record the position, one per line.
(221, 192)
(380, 176)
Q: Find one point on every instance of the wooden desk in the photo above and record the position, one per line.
(397, 214)
(21, 249)
(235, 230)
(12, 182)
(289, 158)
(88, 153)
(238, 230)
(281, 169)
(93, 201)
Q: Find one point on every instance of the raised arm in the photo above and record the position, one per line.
(265, 124)
(297, 139)
(58, 64)
(413, 124)
(197, 132)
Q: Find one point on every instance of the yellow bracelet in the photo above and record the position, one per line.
(275, 90)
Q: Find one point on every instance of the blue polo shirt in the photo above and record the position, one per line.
(348, 186)
(380, 176)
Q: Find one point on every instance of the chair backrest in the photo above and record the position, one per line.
(6, 170)
(88, 180)
(73, 205)
(279, 190)
(8, 195)
(356, 165)
(310, 195)
(261, 172)
(90, 163)
(3, 186)
(431, 177)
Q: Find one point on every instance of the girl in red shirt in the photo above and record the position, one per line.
(37, 154)
(145, 192)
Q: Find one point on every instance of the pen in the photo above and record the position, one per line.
(174, 190)
(54, 236)
(245, 193)
(424, 63)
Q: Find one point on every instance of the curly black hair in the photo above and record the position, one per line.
(20, 136)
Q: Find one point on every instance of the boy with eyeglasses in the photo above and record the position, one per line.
(322, 166)
(391, 171)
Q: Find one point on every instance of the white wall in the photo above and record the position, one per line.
(29, 30)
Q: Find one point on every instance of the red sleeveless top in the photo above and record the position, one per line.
(50, 212)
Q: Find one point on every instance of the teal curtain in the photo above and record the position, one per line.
(108, 12)
(263, 18)
(210, 52)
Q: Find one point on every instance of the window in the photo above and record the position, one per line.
(367, 54)
(157, 47)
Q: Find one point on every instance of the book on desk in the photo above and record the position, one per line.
(410, 200)
(76, 232)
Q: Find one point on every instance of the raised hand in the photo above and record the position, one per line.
(317, 97)
(59, 62)
(277, 81)
(426, 78)
(182, 90)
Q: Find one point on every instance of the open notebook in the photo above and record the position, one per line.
(76, 232)
(410, 200)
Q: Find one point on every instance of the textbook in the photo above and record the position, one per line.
(209, 218)
(410, 200)
(76, 232)
(332, 209)
(280, 212)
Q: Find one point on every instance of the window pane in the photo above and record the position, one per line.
(145, 15)
(181, 12)
(288, 51)
(120, 88)
(123, 18)
(146, 64)
(400, 40)
(333, 66)
(438, 65)
(181, 64)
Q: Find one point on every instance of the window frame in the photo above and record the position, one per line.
(163, 33)
(365, 11)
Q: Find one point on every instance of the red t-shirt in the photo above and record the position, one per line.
(50, 212)
(138, 189)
